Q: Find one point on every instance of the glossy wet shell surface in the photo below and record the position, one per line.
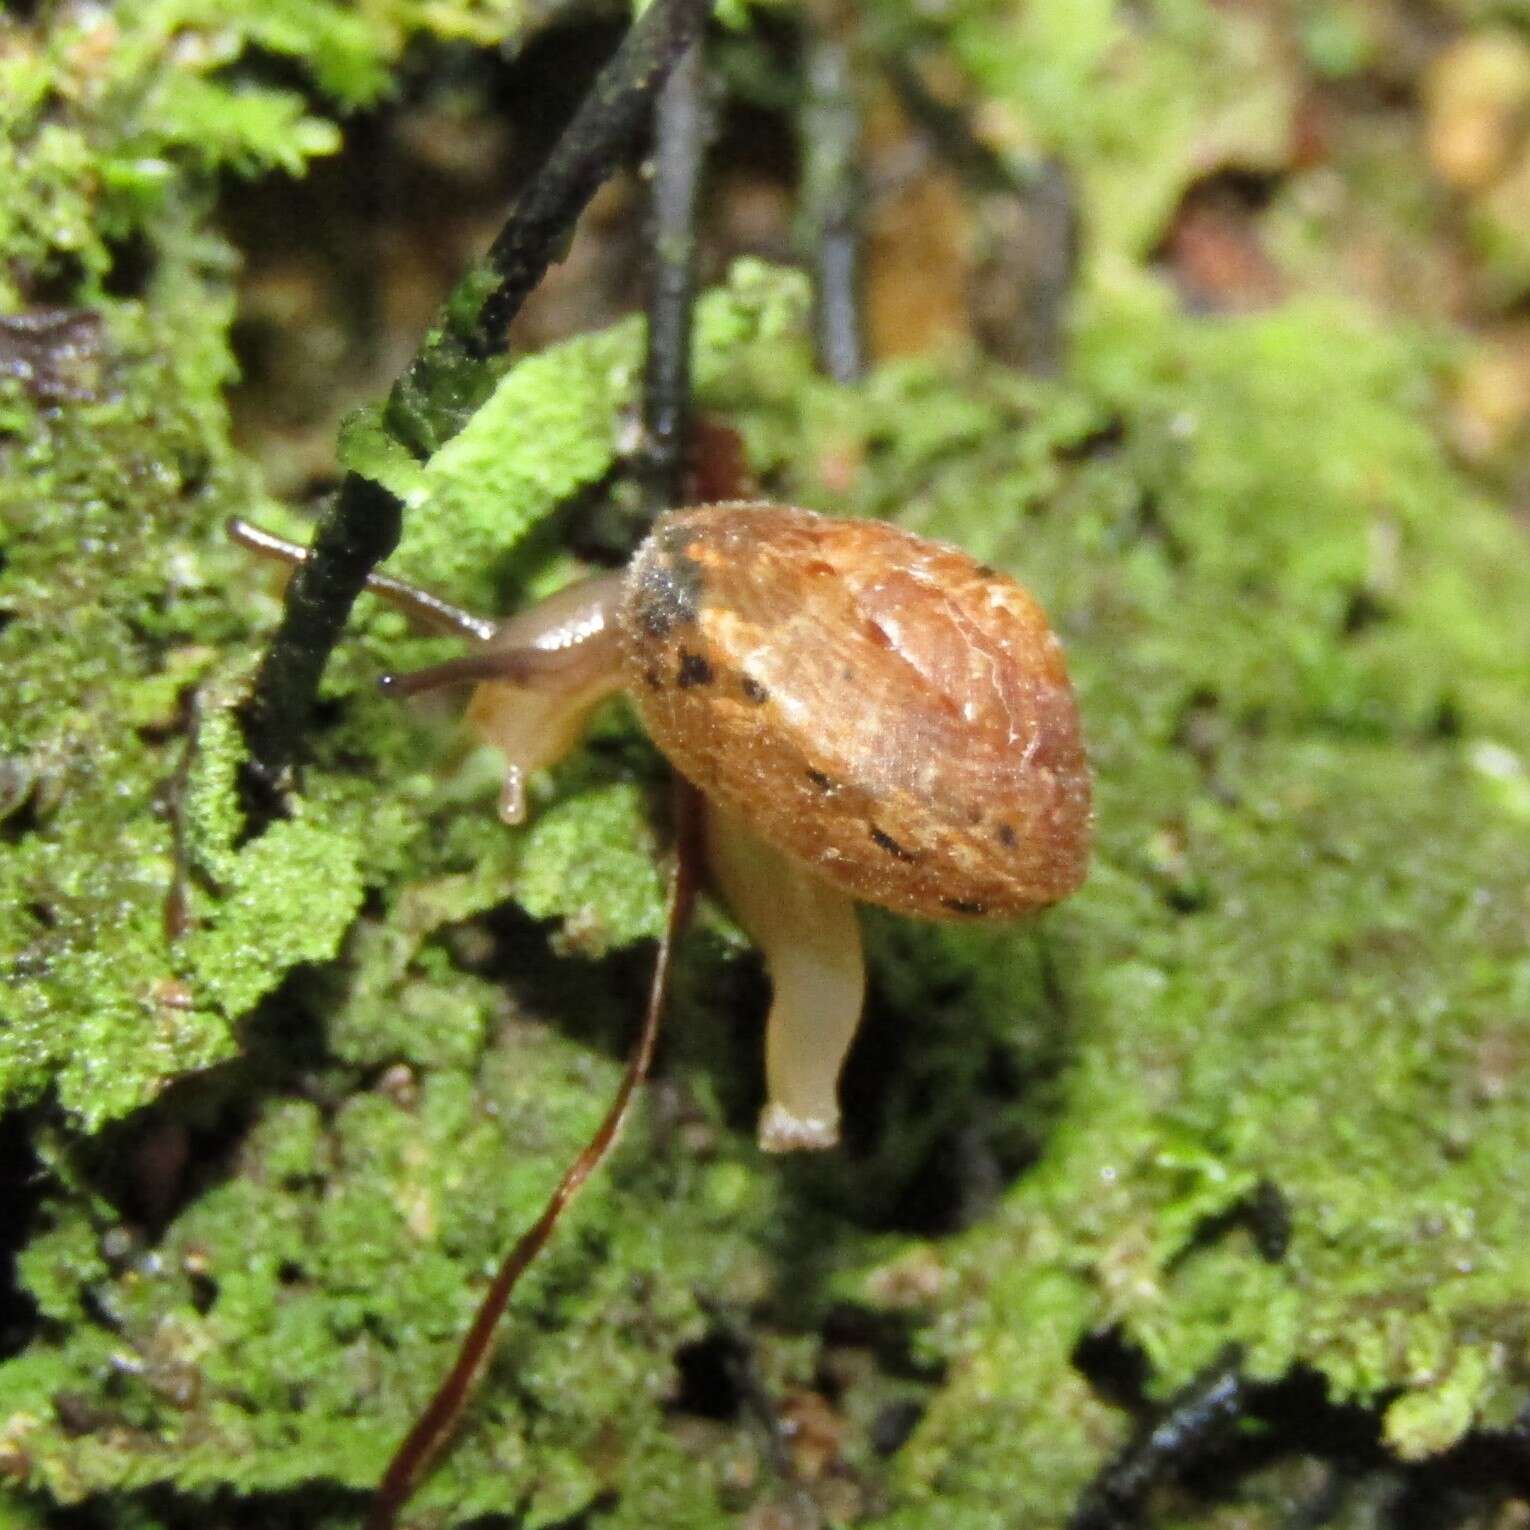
(876, 704)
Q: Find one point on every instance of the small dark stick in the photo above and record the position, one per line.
(433, 1427)
(1196, 1419)
(681, 128)
(427, 404)
(948, 130)
(830, 131)
(360, 528)
(451, 375)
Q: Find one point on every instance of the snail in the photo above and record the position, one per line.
(867, 714)
(857, 713)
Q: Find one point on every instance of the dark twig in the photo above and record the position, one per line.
(434, 1426)
(1196, 1419)
(1032, 217)
(452, 374)
(830, 130)
(948, 130)
(360, 528)
(680, 134)
(446, 381)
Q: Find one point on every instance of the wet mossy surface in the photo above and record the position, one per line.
(1260, 1087)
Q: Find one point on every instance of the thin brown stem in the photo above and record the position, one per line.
(434, 1426)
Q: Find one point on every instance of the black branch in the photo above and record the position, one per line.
(451, 374)
(681, 130)
(360, 528)
(1196, 1420)
(830, 135)
(438, 391)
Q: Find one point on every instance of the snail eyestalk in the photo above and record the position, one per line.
(526, 667)
(430, 611)
(434, 1426)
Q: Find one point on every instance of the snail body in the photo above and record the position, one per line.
(869, 715)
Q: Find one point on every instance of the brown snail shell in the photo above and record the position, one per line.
(876, 704)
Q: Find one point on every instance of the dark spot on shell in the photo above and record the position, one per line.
(890, 845)
(987, 571)
(694, 670)
(669, 584)
(652, 678)
(1007, 836)
(963, 906)
(754, 692)
(822, 782)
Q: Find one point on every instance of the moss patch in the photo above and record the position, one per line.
(283, 1151)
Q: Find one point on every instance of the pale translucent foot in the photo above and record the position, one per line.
(810, 938)
(782, 1132)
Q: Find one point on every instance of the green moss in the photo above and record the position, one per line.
(1299, 959)
(1299, 635)
(1139, 101)
(289, 897)
(552, 426)
(558, 414)
(591, 860)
